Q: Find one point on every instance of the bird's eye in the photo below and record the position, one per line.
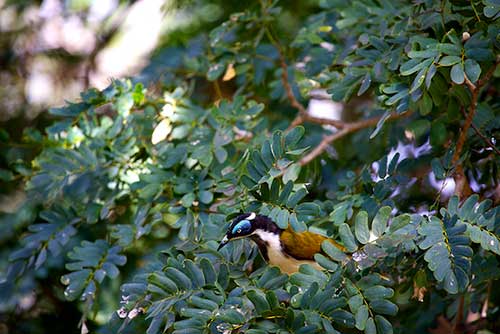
(243, 226)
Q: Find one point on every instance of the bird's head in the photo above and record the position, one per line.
(249, 225)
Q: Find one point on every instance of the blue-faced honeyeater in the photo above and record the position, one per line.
(283, 248)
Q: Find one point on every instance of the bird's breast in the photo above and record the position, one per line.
(271, 248)
(286, 263)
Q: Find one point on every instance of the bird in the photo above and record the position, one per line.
(283, 248)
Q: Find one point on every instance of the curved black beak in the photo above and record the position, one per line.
(223, 242)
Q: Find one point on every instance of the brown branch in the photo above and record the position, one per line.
(302, 115)
(288, 89)
(483, 137)
(462, 187)
(325, 121)
(345, 130)
(484, 309)
(459, 317)
(286, 84)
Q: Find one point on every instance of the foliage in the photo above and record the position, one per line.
(138, 186)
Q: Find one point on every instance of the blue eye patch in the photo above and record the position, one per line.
(243, 226)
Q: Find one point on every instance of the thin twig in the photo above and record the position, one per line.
(325, 121)
(483, 137)
(462, 188)
(346, 129)
(484, 309)
(302, 115)
(284, 74)
(460, 315)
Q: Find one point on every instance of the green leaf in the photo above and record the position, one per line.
(448, 254)
(206, 197)
(333, 252)
(203, 303)
(259, 301)
(6, 175)
(208, 271)
(160, 280)
(194, 273)
(430, 74)
(449, 60)
(419, 80)
(454, 49)
(343, 318)
(124, 103)
(277, 145)
(272, 299)
(370, 327)
(438, 134)
(307, 209)
(457, 73)
(325, 262)
(426, 105)
(365, 84)
(361, 229)
(248, 182)
(414, 65)
(253, 172)
(180, 131)
(285, 192)
(487, 239)
(429, 53)
(296, 197)
(187, 200)
(232, 316)
(399, 222)
(491, 8)
(71, 110)
(297, 226)
(294, 136)
(92, 261)
(195, 313)
(223, 276)
(292, 173)
(380, 124)
(180, 279)
(220, 154)
(472, 69)
(282, 218)
(274, 192)
(383, 325)
(378, 292)
(267, 155)
(438, 169)
(361, 317)
(347, 237)
(215, 71)
(379, 224)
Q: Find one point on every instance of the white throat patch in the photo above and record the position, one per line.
(251, 217)
(272, 239)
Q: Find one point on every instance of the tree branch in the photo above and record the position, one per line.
(302, 115)
(483, 137)
(459, 317)
(345, 130)
(462, 187)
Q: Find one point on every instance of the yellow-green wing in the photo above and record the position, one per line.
(304, 245)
